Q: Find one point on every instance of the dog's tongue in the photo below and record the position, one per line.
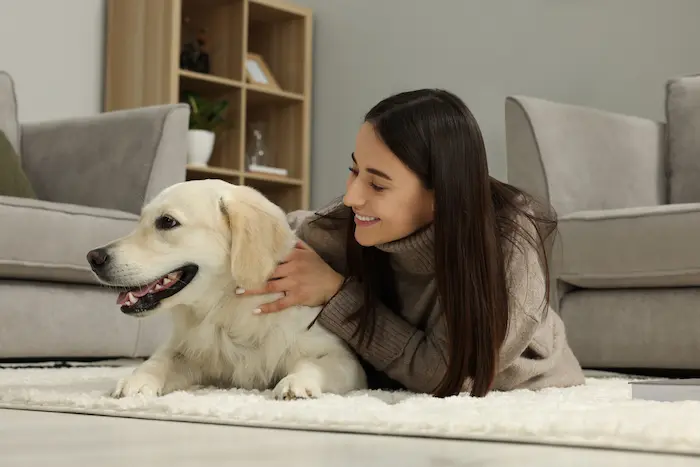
(155, 286)
(123, 297)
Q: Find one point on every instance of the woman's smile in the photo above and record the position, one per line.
(365, 221)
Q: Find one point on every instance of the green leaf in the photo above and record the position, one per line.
(206, 114)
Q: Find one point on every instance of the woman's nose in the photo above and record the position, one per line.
(353, 195)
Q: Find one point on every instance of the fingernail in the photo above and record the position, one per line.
(257, 311)
(239, 290)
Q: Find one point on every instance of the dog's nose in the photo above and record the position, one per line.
(98, 258)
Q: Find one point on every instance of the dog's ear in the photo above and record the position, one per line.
(259, 241)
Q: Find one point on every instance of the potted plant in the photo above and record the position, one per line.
(205, 117)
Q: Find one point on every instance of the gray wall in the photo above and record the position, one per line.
(590, 52)
(54, 51)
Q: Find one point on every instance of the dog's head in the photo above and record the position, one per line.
(194, 240)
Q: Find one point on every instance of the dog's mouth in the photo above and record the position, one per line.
(146, 297)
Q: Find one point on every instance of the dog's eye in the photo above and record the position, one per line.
(166, 223)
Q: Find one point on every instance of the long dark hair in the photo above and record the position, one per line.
(436, 136)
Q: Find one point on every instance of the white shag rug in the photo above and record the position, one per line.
(599, 414)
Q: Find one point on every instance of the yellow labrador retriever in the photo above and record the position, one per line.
(196, 242)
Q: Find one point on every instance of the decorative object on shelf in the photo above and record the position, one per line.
(257, 147)
(194, 55)
(268, 170)
(257, 152)
(205, 117)
(257, 72)
(200, 146)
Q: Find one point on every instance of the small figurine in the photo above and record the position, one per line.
(194, 55)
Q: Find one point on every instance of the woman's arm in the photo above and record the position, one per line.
(416, 359)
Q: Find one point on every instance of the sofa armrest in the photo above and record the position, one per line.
(579, 158)
(115, 160)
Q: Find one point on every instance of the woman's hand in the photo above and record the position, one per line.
(304, 278)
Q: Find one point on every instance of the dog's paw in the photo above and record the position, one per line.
(297, 387)
(139, 384)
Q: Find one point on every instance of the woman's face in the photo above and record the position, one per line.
(388, 199)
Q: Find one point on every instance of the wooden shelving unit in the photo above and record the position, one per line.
(144, 40)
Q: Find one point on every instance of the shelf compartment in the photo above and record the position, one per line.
(279, 36)
(282, 135)
(229, 136)
(223, 22)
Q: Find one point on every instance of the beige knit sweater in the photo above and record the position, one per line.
(411, 347)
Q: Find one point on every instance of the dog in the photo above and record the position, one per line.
(197, 242)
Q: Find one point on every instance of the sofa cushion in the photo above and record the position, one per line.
(48, 320)
(625, 328)
(13, 180)
(631, 247)
(683, 141)
(41, 240)
(9, 122)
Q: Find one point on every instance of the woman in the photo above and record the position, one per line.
(434, 272)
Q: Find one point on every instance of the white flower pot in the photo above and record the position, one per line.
(200, 144)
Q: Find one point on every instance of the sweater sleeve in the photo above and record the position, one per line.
(325, 238)
(414, 358)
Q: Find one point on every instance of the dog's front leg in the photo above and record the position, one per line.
(332, 373)
(165, 371)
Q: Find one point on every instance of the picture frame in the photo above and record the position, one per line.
(257, 72)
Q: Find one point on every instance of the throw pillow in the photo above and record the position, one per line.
(13, 180)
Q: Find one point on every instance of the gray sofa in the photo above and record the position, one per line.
(626, 262)
(91, 176)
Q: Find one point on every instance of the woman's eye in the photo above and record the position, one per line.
(375, 187)
(166, 223)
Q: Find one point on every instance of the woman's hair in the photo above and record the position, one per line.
(435, 135)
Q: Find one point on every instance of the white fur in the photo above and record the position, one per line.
(217, 339)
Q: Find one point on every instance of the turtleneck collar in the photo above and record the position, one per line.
(414, 253)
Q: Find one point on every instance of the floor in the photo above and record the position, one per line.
(29, 438)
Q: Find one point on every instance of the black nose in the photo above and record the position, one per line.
(98, 258)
